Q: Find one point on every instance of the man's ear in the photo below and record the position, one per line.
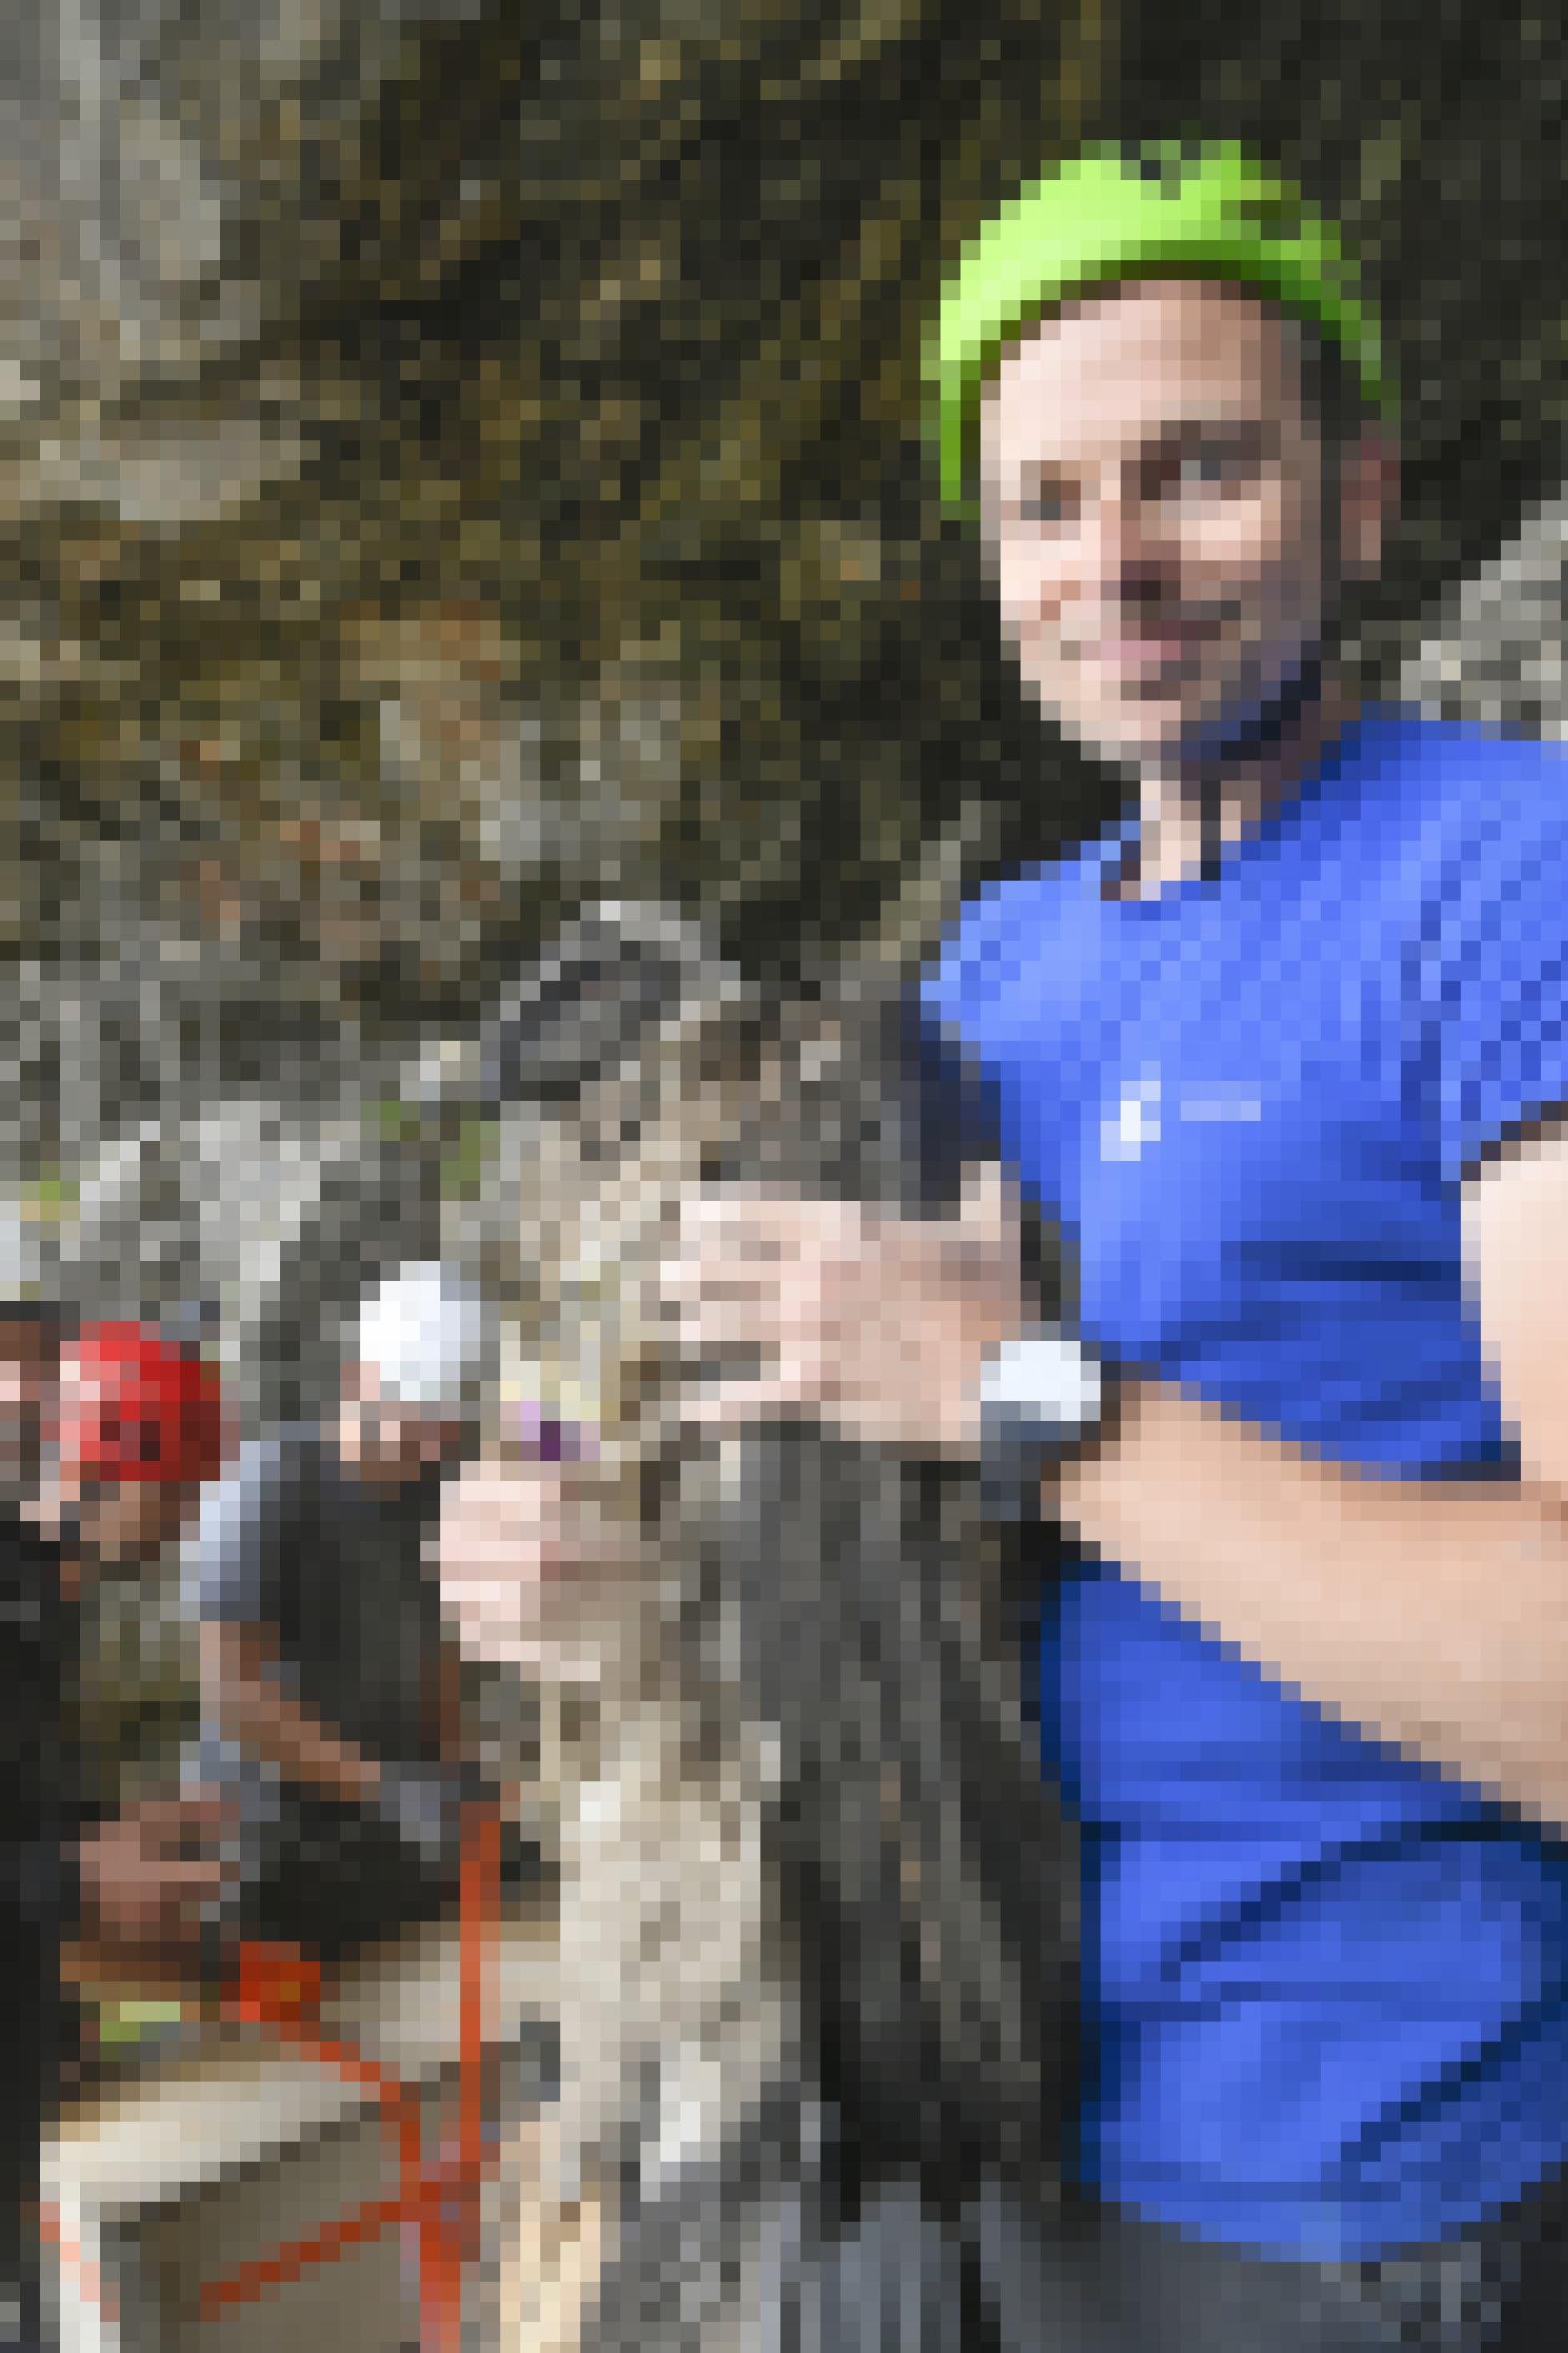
(1369, 490)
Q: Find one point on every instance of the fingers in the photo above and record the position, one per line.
(482, 1538)
(728, 1332)
(134, 1901)
(713, 1303)
(195, 1813)
(496, 1507)
(491, 1485)
(687, 1284)
(702, 1283)
(739, 1404)
(744, 1297)
(735, 1232)
(515, 1548)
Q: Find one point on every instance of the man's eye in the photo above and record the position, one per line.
(1219, 463)
(1042, 507)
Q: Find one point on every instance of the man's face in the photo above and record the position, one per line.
(1154, 506)
(393, 1442)
(121, 1524)
(27, 1368)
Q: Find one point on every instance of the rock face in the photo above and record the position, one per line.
(1497, 653)
(457, 462)
(410, 538)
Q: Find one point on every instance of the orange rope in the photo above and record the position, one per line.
(250, 2281)
(442, 2201)
(399, 2106)
(448, 2239)
(479, 1917)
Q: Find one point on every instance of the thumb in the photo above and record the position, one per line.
(988, 1209)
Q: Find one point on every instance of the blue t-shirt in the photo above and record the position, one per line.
(1326, 1986)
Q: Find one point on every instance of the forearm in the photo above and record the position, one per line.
(286, 1735)
(255, 1711)
(1434, 1614)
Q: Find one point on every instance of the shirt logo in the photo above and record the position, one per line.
(1222, 1100)
(1135, 1123)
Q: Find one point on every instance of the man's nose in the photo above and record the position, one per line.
(1127, 551)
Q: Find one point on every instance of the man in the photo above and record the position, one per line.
(138, 1429)
(30, 1333)
(37, 1799)
(1285, 1054)
(135, 1427)
(326, 1688)
(106, 1434)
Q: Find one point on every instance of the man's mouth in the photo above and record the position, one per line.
(1150, 648)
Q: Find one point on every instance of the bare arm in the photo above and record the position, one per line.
(1435, 1613)
(240, 1685)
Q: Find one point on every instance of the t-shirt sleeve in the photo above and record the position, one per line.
(230, 1561)
(953, 1120)
(1501, 975)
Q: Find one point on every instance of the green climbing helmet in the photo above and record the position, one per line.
(1171, 210)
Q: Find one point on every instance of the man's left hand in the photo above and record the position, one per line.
(150, 1874)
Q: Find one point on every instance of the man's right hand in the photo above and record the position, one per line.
(150, 1874)
(518, 1548)
(875, 1324)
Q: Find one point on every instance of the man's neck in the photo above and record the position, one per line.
(360, 1461)
(1192, 810)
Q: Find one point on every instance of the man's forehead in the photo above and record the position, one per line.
(1134, 360)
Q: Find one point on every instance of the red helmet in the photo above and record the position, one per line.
(134, 1406)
